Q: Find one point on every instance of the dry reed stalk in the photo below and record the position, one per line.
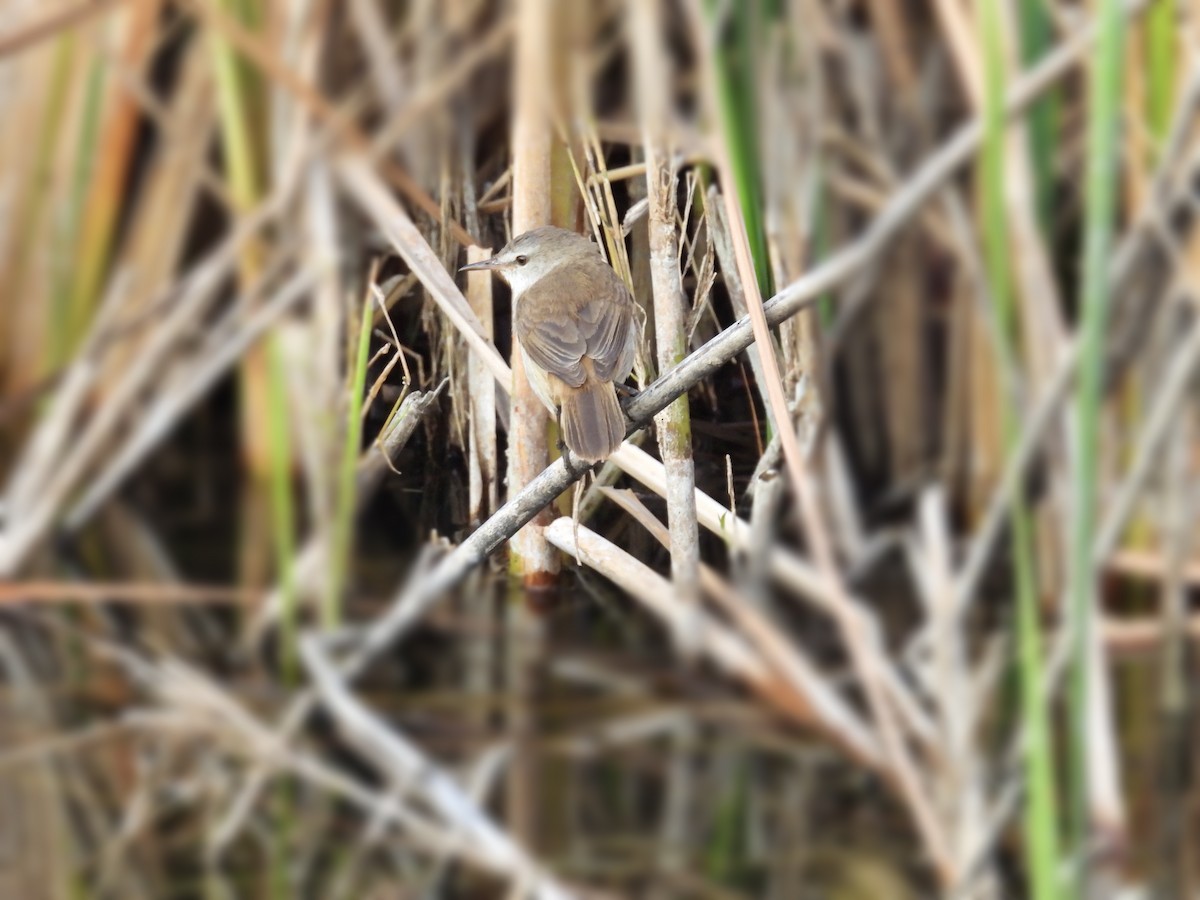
(1137, 171)
(654, 80)
(531, 139)
(1171, 393)
(826, 711)
(792, 93)
(432, 94)
(335, 118)
(115, 154)
(800, 577)
(723, 243)
(984, 439)
(483, 472)
(1133, 637)
(483, 463)
(42, 83)
(644, 584)
(56, 460)
(958, 25)
(194, 706)
(407, 767)
(899, 758)
(371, 28)
(532, 558)
(790, 691)
(314, 347)
(21, 37)
(172, 187)
(971, 411)
(900, 344)
(34, 830)
(844, 514)
(1106, 802)
(960, 701)
(368, 190)
(183, 391)
(1175, 706)
(892, 33)
(1149, 565)
(138, 593)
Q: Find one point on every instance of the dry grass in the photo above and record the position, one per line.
(257, 636)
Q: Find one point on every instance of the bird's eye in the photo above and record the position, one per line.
(522, 260)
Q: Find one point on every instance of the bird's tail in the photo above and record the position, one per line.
(592, 422)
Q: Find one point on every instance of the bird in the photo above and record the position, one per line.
(575, 323)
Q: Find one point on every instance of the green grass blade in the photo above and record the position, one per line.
(343, 525)
(1160, 68)
(734, 57)
(1100, 187)
(1040, 811)
(1037, 38)
(235, 104)
(282, 510)
(71, 317)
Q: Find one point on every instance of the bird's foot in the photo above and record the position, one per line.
(575, 468)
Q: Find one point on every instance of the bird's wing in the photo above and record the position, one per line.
(559, 333)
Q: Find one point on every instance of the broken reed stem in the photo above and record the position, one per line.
(653, 79)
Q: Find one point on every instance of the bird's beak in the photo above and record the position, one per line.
(482, 265)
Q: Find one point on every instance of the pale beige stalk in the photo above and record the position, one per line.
(483, 470)
(531, 152)
(654, 80)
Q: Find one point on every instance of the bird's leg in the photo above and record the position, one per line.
(625, 395)
(568, 461)
(563, 450)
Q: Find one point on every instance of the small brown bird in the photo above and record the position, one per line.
(574, 321)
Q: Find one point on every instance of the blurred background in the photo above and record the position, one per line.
(924, 626)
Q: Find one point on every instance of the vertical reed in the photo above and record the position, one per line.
(1091, 794)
